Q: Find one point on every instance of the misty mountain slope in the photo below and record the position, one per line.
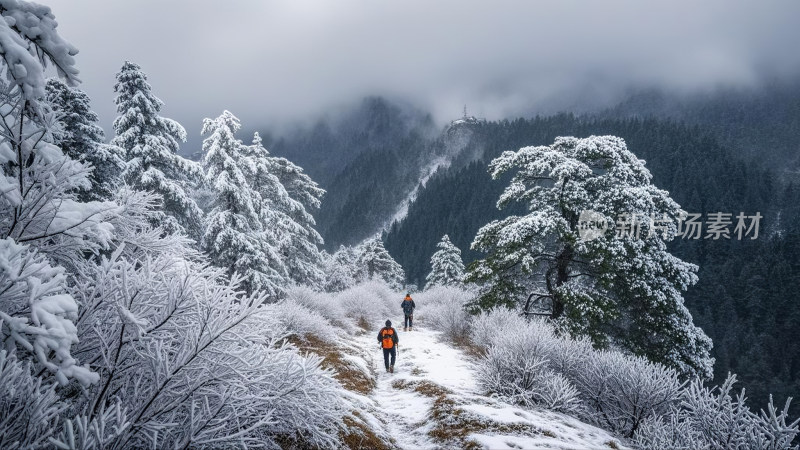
(372, 162)
(368, 158)
(759, 124)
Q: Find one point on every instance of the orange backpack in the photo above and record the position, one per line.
(386, 335)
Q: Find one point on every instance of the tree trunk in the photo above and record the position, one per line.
(562, 273)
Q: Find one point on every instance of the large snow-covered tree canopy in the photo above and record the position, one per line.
(447, 268)
(151, 144)
(621, 290)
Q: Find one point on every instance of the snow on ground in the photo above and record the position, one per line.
(433, 390)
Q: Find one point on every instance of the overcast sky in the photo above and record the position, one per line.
(273, 62)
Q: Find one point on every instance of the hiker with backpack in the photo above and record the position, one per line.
(388, 340)
(408, 310)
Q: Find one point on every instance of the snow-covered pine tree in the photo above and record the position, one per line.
(340, 269)
(83, 140)
(626, 290)
(287, 194)
(447, 268)
(235, 236)
(375, 262)
(151, 144)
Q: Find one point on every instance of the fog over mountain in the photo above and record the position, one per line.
(279, 62)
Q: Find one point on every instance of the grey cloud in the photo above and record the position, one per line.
(275, 62)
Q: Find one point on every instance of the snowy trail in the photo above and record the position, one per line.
(405, 411)
(424, 357)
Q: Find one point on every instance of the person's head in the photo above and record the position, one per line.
(408, 294)
(388, 323)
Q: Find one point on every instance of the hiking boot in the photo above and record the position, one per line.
(387, 370)
(391, 369)
(409, 328)
(405, 328)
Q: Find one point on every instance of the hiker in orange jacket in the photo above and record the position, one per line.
(388, 340)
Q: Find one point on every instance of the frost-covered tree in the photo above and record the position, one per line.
(83, 140)
(151, 144)
(45, 231)
(340, 269)
(626, 289)
(375, 262)
(447, 268)
(235, 236)
(287, 194)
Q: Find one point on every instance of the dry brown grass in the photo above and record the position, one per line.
(362, 322)
(472, 350)
(417, 372)
(360, 436)
(350, 376)
(430, 389)
(453, 425)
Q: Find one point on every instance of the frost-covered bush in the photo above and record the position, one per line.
(29, 408)
(622, 391)
(444, 310)
(372, 302)
(301, 321)
(713, 419)
(517, 369)
(528, 363)
(323, 303)
(489, 326)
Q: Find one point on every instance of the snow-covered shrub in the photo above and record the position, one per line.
(324, 304)
(667, 433)
(489, 326)
(622, 391)
(444, 310)
(371, 302)
(569, 356)
(712, 418)
(557, 393)
(29, 408)
(516, 368)
(301, 321)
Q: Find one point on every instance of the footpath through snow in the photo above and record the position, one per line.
(432, 401)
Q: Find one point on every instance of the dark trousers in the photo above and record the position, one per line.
(386, 353)
(409, 319)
